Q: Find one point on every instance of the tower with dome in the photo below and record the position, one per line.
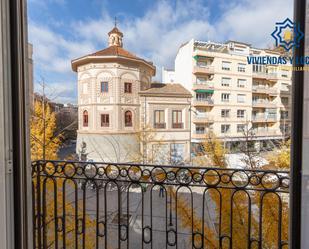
(114, 90)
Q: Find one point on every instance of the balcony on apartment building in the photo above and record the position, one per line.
(125, 205)
(203, 102)
(203, 69)
(263, 103)
(264, 75)
(263, 118)
(201, 133)
(205, 85)
(285, 90)
(263, 89)
(266, 132)
(285, 118)
(203, 118)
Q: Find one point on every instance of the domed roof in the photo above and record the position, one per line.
(113, 50)
(115, 30)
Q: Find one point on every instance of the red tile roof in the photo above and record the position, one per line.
(116, 51)
(110, 51)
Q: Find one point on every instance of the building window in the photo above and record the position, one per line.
(225, 97)
(159, 119)
(203, 96)
(241, 67)
(225, 113)
(201, 80)
(241, 83)
(202, 63)
(128, 119)
(104, 87)
(177, 153)
(177, 119)
(128, 87)
(85, 118)
(285, 100)
(241, 128)
(225, 128)
(225, 81)
(226, 65)
(284, 114)
(258, 68)
(104, 120)
(241, 98)
(200, 130)
(240, 113)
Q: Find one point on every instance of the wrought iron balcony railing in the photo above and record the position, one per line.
(159, 125)
(177, 125)
(112, 205)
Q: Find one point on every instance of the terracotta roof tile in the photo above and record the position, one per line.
(167, 89)
(118, 51)
(114, 50)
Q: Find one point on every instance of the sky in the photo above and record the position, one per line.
(62, 30)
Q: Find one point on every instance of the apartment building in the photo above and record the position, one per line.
(118, 104)
(231, 96)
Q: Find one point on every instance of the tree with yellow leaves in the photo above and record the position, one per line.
(280, 159)
(232, 204)
(55, 190)
(44, 142)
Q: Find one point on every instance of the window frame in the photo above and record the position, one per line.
(177, 125)
(225, 113)
(105, 124)
(158, 123)
(240, 85)
(225, 84)
(241, 95)
(226, 63)
(128, 114)
(241, 67)
(240, 116)
(225, 130)
(85, 118)
(128, 87)
(243, 129)
(225, 99)
(104, 89)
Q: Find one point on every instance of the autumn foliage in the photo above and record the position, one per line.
(42, 132)
(244, 218)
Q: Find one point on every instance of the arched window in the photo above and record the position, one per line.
(85, 118)
(128, 118)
